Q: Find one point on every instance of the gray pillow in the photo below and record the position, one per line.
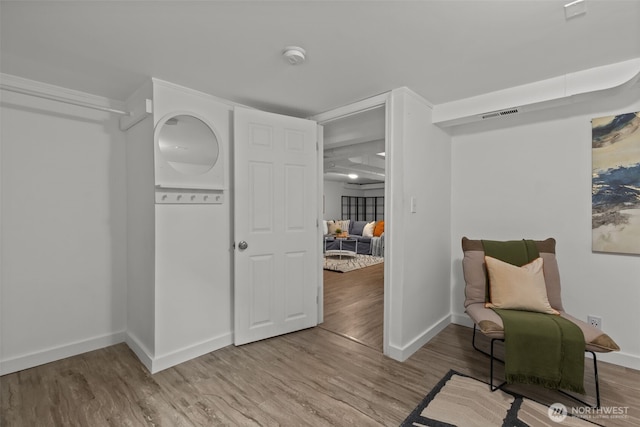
(358, 226)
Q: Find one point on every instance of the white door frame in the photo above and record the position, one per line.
(320, 216)
(340, 113)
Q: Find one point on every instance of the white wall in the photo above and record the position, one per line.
(179, 263)
(378, 192)
(63, 230)
(530, 177)
(417, 278)
(333, 192)
(141, 232)
(193, 249)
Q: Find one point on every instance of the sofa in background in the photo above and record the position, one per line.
(363, 231)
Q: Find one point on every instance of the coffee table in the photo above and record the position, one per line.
(341, 252)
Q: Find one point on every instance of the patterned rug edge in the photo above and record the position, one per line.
(346, 265)
(416, 419)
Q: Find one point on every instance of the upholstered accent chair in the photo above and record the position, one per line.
(490, 324)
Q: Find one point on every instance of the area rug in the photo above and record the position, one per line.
(459, 400)
(350, 263)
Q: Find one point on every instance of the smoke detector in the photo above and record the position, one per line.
(294, 55)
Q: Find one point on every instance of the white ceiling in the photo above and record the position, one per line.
(352, 145)
(443, 50)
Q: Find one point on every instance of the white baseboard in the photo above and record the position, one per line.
(168, 360)
(621, 359)
(60, 352)
(403, 353)
(461, 319)
(144, 355)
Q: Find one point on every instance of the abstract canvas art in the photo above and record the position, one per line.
(615, 194)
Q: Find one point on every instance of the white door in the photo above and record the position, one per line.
(276, 239)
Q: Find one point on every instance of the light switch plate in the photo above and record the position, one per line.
(574, 9)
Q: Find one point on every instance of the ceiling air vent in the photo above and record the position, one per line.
(500, 113)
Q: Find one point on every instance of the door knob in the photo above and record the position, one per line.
(243, 245)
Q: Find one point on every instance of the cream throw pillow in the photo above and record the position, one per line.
(518, 288)
(343, 224)
(368, 229)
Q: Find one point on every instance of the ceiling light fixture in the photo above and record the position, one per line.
(352, 176)
(294, 55)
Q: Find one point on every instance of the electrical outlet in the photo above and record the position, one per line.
(595, 321)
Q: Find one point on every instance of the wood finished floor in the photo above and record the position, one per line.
(354, 304)
(313, 377)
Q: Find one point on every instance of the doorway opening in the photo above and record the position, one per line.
(354, 179)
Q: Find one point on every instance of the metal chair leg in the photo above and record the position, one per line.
(492, 358)
(491, 387)
(597, 382)
(473, 342)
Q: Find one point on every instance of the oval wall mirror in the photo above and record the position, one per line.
(188, 144)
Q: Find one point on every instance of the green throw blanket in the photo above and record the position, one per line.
(543, 349)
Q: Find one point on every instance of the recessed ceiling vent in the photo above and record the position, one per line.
(500, 113)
